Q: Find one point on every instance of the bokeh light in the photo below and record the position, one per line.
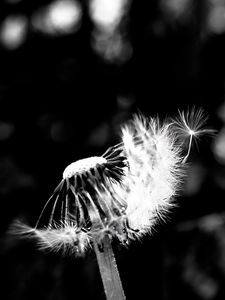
(216, 16)
(60, 17)
(176, 9)
(109, 38)
(6, 130)
(113, 47)
(13, 31)
(107, 14)
(219, 147)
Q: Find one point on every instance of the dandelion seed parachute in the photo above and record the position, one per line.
(190, 125)
(191, 122)
(66, 238)
(120, 194)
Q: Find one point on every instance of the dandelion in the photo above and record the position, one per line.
(190, 125)
(84, 205)
(120, 195)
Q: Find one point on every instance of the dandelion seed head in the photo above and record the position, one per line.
(84, 207)
(122, 194)
(83, 165)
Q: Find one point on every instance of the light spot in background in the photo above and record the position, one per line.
(124, 102)
(6, 130)
(60, 17)
(176, 9)
(219, 147)
(107, 13)
(211, 223)
(13, 31)
(216, 17)
(60, 132)
(113, 48)
(183, 10)
(108, 37)
(203, 256)
(202, 283)
(99, 135)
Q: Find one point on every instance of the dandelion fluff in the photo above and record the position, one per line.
(190, 126)
(122, 193)
(154, 172)
(64, 237)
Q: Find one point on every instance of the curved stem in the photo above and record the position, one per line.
(109, 271)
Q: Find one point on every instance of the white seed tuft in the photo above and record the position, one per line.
(83, 165)
(122, 193)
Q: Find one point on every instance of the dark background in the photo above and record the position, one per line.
(64, 92)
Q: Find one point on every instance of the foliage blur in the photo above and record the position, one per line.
(71, 72)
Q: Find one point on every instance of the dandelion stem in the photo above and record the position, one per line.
(109, 271)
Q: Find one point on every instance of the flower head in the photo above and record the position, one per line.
(83, 206)
(120, 194)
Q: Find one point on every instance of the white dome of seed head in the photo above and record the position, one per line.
(83, 165)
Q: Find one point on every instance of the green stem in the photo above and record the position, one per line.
(108, 270)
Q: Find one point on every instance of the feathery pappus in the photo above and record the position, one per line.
(190, 126)
(120, 194)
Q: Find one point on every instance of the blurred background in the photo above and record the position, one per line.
(71, 72)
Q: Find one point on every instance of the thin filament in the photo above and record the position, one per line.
(189, 149)
(53, 211)
(59, 187)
